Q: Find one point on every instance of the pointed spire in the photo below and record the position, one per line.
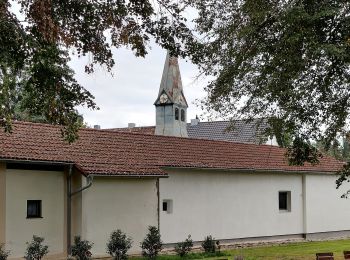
(171, 83)
(171, 105)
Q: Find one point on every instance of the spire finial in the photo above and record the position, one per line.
(171, 83)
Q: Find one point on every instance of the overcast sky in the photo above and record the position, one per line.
(127, 95)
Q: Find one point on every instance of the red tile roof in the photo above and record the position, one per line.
(122, 153)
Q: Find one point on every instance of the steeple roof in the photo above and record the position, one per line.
(171, 83)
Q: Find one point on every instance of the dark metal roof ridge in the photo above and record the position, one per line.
(47, 162)
(129, 175)
(249, 170)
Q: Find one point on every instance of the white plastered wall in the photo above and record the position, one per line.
(325, 209)
(229, 205)
(118, 203)
(2, 203)
(76, 205)
(48, 186)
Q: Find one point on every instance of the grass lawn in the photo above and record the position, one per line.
(297, 251)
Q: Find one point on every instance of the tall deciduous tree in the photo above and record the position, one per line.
(32, 49)
(286, 60)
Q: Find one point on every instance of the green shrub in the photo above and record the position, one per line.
(118, 245)
(152, 243)
(218, 245)
(3, 253)
(35, 249)
(81, 249)
(209, 244)
(183, 248)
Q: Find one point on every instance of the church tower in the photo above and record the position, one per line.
(171, 104)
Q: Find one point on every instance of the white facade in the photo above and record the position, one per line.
(233, 205)
(47, 186)
(118, 203)
(225, 204)
(325, 209)
(229, 205)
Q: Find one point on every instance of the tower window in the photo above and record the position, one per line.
(183, 115)
(176, 114)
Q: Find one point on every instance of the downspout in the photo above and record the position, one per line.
(158, 204)
(305, 230)
(69, 209)
(70, 194)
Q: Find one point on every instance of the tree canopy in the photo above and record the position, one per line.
(34, 49)
(284, 60)
(288, 61)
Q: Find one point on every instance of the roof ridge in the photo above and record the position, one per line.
(150, 135)
(147, 126)
(228, 121)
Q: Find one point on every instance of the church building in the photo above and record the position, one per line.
(184, 182)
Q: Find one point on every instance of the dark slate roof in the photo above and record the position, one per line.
(242, 131)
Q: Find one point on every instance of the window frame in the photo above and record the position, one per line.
(288, 204)
(169, 206)
(183, 116)
(177, 114)
(38, 205)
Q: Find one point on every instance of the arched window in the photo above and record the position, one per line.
(176, 113)
(183, 115)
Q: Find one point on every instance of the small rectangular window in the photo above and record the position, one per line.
(165, 206)
(168, 206)
(284, 201)
(34, 209)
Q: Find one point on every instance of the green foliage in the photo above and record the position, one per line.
(81, 249)
(34, 51)
(302, 151)
(279, 59)
(199, 255)
(118, 245)
(35, 249)
(152, 243)
(3, 253)
(209, 244)
(46, 91)
(287, 251)
(183, 248)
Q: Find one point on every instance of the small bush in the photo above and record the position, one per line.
(81, 249)
(3, 253)
(218, 245)
(209, 244)
(183, 248)
(152, 243)
(35, 249)
(118, 245)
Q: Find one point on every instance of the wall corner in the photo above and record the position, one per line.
(2, 203)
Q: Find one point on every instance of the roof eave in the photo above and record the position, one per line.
(249, 170)
(123, 175)
(41, 162)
